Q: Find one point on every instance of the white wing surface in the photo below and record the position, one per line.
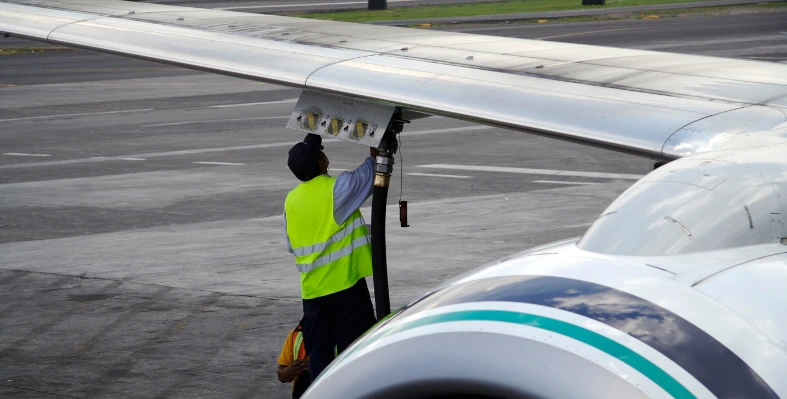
(653, 104)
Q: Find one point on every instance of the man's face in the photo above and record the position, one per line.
(323, 162)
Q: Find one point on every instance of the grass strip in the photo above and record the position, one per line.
(31, 50)
(473, 9)
(680, 12)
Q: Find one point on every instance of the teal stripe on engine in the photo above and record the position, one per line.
(596, 340)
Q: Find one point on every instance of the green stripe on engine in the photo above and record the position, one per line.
(596, 340)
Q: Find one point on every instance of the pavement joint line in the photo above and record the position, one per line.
(124, 281)
(436, 175)
(22, 154)
(564, 182)
(219, 163)
(289, 100)
(216, 149)
(529, 171)
(37, 391)
(217, 120)
(83, 114)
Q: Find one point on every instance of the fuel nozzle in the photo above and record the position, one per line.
(388, 147)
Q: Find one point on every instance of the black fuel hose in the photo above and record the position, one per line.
(379, 262)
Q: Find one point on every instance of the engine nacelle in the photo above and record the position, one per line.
(705, 202)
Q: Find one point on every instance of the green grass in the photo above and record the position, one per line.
(466, 10)
(684, 12)
(31, 50)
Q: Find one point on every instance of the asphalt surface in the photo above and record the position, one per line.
(141, 246)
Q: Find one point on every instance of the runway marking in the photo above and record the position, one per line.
(22, 154)
(576, 225)
(215, 149)
(434, 175)
(219, 163)
(304, 5)
(529, 171)
(217, 120)
(67, 115)
(449, 130)
(289, 100)
(585, 33)
(564, 182)
(133, 159)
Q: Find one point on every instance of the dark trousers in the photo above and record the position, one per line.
(335, 321)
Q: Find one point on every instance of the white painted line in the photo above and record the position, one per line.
(340, 3)
(433, 175)
(581, 183)
(450, 130)
(68, 115)
(133, 159)
(289, 100)
(220, 163)
(215, 149)
(22, 154)
(528, 171)
(217, 120)
(576, 225)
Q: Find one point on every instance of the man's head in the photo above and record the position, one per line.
(306, 159)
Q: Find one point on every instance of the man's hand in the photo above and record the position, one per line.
(373, 152)
(296, 368)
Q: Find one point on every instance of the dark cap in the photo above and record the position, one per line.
(303, 157)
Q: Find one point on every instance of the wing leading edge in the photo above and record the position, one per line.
(652, 104)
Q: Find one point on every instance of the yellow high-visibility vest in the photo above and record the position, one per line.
(330, 257)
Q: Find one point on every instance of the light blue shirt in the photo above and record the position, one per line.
(350, 191)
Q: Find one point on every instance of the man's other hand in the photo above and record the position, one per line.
(296, 368)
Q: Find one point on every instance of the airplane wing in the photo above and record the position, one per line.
(652, 104)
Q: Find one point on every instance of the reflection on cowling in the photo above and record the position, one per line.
(710, 362)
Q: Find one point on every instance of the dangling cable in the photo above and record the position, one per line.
(401, 168)
(402, 204)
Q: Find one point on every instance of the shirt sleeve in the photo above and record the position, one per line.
(285, 359)
(286, 237)
(351, 189)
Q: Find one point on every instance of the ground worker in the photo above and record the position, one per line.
(293, 362)
(332, 248)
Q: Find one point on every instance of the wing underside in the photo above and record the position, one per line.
(657, 105)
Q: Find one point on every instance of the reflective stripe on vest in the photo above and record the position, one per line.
(319, 247)
(329, 256)
(336, 255)
(296, 350)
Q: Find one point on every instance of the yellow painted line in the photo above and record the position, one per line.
(542, 21)
(137, 84)
(246, 323)
(3, 85)
(174, 330)
(81, 305)
(585, 33)
(89, 70)
(81, 348)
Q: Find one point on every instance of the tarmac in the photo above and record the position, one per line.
(141, 244)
